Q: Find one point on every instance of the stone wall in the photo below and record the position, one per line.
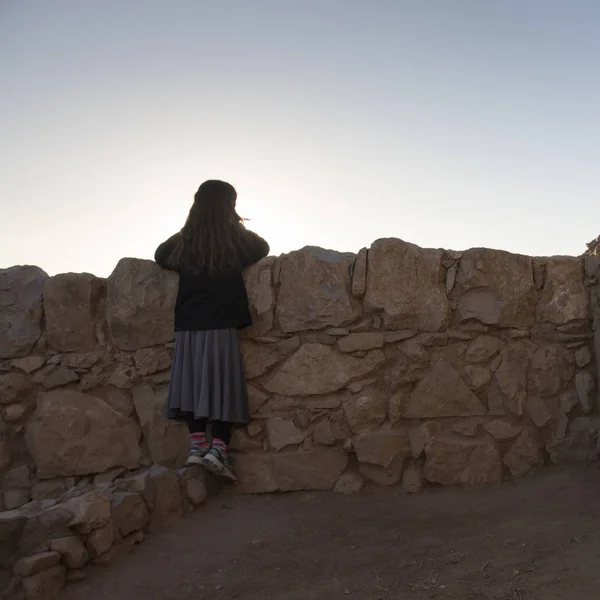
(398, 365)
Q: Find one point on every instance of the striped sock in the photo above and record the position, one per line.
(198, 441)
(220, 445)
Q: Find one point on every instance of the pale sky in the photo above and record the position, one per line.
(447, 123)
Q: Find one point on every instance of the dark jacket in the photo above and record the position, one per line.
(206, 302)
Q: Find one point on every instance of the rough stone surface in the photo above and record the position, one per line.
(316, 469)
(72, 305)
(480, 377)
(28, 364)
(382, 447)
(390, 475)
(13, 387)
(349, 483)
(366, 411)
(580, 444)
(508, 388)
(564, 297)
(584, 383)
(152, 360)
(21, 309)
(90, 511)
(317, 369)
(76, 434)
(45, 585)
(196, 491)
(261, 296)
(53, 376)
(129, 512)
(419, 436)
(442, 393)
(357, 342)
(31, 565)
(167, 440)
(73, 552)
(100, 540)
(502, 430)
(552, 365)
(483, 349)
(258, 358)
(167, 504)
(282, 433)
(315, 290)
(524, 455)
(413, 480)
(583, 357)
(496, 288)
(462, 461)
(405, 281)
(140, 304)
(359, 274)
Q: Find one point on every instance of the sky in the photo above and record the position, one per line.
(446, 123)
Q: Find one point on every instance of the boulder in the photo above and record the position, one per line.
(317, 369)
(524, 455)
(73, 552)
(21, 309)
(90, 511)
(168, 503)
(496, 288)
(100, 540)
(129, 512)
(167, 441)
(390, 475)
(28, 364)
(406, 283)
(77, 434)
(140, 304)
(73, 306)
(14, 387)
(259, 358)
(316, 469)
(564, 297)
(315, 291)
(349, 483)
(463, 461)
(419, 436)
(282, 433)
(442, 393)
(382, 447)
(45, 585)
(261, 296)
(30, 565)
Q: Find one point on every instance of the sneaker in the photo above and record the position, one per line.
(195, 456)
(217, 463)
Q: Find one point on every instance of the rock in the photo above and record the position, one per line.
(405, 281)
(167, 441)
(129, 512)
(34, 564)
(73, 552)
(419, 436)
(381, 447)
(258, 358)
(442, 393)
(142, 483)
(480, 376)
(568, 401)
(496, 288)
(28, 364)
(14, 412)
(15, 499)
(413, 480)
(564, 297)
(552, 365)
(73, 306)
(316, 469)
(462, 461)
(583, 357)
(282, 433)
(21, 309)
(90, 511)
(396, 404)
(76, 434)
(580, 443)
(356, 342)
(52, 376)
(81, 360)
(17, 477)
(502, 430)
(366, 411)
(524, 455)
(48, 490)
(119, 400)
(359, 274)
(508, 389)
(541, 410)
(152, 360)
(196, 491)
(584, 383)
(483, 348)
(315, 291)
(45, 585)
(13, 387)
(392, 337)
(168, 504)
(140, 304)
(5, 458)
(100, 540)
(12, 524)
(316, 369)
(390, 475)
(467, 428)
(408, 365)
(349, 483)
(261, 295)
(242, 441)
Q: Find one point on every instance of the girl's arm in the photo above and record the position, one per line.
(255, 248)
(164, 251)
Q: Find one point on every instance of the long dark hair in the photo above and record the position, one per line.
(213, 234)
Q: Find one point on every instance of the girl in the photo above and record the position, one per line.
(207, 376)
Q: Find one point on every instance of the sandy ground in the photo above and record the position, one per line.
(538, 539)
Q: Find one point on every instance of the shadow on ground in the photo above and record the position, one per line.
(538, 539)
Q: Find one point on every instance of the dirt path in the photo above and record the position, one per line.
(535, 540)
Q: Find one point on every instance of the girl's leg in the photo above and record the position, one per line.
(217, 459)
(199, 445)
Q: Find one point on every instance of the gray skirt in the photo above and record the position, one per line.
(207, 377)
